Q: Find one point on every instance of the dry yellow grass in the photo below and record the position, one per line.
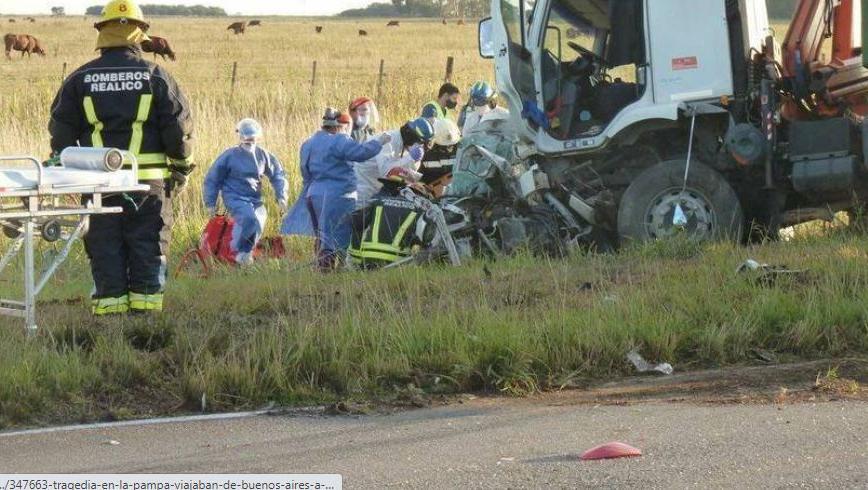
(274, 79)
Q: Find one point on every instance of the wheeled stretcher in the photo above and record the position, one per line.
(55, 204)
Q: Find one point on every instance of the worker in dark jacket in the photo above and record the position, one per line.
(121, 101)
(384, 232)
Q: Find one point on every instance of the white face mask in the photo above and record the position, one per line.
(249, 146)
(482, 109)
(362, 121)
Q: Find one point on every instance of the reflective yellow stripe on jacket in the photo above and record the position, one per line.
(372, 249)
(152, 166)
(141, 116)
(93, 120)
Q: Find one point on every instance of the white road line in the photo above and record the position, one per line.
(156, 421)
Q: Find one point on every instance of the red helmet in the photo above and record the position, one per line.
(398, 172)
(360, 101)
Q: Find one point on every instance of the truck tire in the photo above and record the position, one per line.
(648, 207)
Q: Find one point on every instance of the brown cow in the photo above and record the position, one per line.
(254, 22)
(393, 23)
(363, 33)
(460, 22)
(318, 29)
(158, 46)
(24, 43)
(237, 27)
(444, 22)
(11, 21)
(31, 20)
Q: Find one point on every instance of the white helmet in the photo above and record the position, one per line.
(446, 132)
(248, 130)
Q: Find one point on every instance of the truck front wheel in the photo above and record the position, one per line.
(658, 205)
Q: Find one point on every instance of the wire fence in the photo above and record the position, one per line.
(231, 75)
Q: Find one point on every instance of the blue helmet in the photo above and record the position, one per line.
(481, 93)
(423, 128)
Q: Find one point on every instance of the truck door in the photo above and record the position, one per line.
(513, 57)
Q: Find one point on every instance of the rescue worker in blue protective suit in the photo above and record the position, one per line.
(237, 176)
(329, 193)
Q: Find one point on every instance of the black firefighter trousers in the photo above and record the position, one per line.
(128, 251)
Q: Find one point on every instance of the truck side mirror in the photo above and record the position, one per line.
(486, 38)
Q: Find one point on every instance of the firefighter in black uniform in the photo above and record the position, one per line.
(121, 101)
(384, 232)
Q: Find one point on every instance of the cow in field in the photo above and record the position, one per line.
(393, 23)
(460, 22)
(158, 46)
(444, 21)
(31, 20)
(25, 43)
(237, 27)
(254, 23)
(11, 21)
(363, 33)
(318, 29)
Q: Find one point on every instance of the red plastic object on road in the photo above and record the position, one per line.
(611, 450)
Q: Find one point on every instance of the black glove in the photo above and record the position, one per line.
(179, 176)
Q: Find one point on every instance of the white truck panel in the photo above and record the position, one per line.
(756, 17)
(689, 50)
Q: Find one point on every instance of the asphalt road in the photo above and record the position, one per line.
(491, 443)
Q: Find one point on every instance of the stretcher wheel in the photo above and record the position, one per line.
(51, 231)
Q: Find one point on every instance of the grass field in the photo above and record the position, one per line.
(281, 333)
(273, 334)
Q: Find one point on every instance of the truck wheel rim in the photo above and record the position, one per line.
(660, 214)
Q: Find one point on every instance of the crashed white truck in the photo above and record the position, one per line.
(641, 119)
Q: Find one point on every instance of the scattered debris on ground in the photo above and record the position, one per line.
(644, 366)
(779, 383)
(768, 275)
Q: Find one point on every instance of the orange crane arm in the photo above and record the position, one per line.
(815, 21)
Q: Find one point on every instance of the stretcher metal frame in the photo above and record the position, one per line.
(41, 214)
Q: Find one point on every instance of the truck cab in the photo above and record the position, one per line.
(579, 73)
(650, 118)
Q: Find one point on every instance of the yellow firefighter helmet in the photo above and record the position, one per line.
(123, 11)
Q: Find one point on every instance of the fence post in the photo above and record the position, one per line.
(313, 79)
(234, 74)
(450, 62)
(380, 82)
(63, 73)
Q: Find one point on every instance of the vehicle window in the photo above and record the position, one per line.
(511, 11)
(515, 14)
(583, 22)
